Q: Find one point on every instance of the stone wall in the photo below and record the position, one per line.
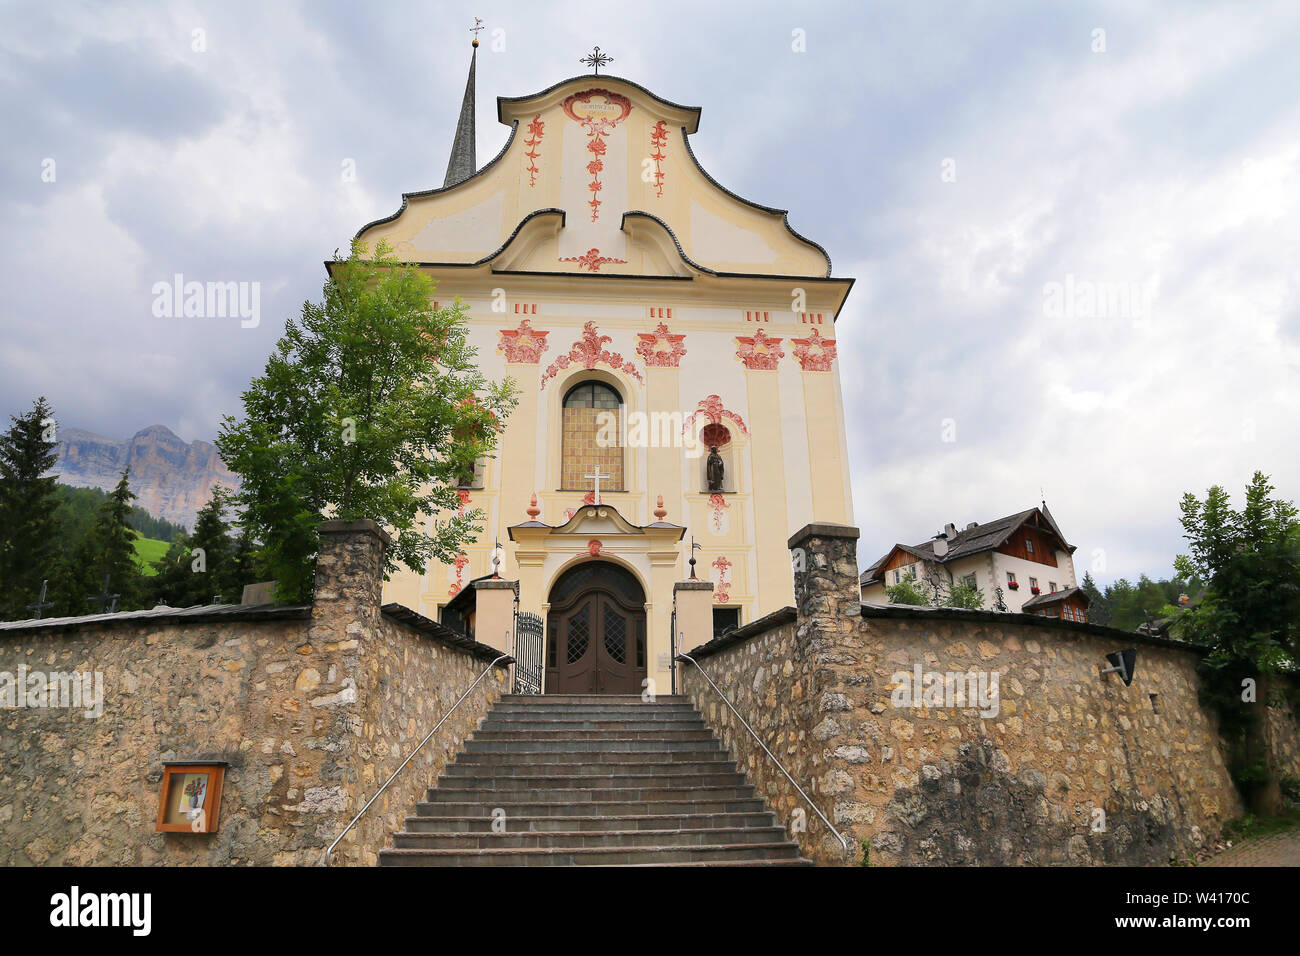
(767, 675)
(312, 707)
(1058, 764)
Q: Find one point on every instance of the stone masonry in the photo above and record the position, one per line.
(312, 707)
(1069, 767)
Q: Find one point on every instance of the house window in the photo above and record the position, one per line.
(1033, 583)
(1011, 577)
(472, 477)
(1029, 545)
(588, 408)
(970, 581)
(1051, 587)
(1067, 612)
(897, 576)
(725, 619)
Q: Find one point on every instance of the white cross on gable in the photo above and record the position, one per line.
(597, 476)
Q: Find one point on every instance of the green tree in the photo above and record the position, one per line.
(371, 407)
(907, 591)
(1248, 617)
(964, 594)
(1099, 611)
(200, 566)
(107, 548)
(28, 500)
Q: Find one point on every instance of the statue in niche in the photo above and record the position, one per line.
(714, 469)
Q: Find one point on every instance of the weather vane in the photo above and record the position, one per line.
(595, 59)
(475, 29)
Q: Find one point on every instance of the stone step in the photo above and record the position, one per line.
(558, 700)
(521, 705)
(583, 839)
(620, 725)
(591, 808)
(510, 745)
(590, 758)
(612, 736)
(460, 769)
(482, 823)
(590, 856)
(587, 781)
(566, 796)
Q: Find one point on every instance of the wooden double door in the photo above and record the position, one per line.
(595, 642)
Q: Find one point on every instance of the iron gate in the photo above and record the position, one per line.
(528, 653)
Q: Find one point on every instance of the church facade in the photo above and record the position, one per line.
(674, 349)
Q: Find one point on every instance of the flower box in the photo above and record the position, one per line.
(1015, 586)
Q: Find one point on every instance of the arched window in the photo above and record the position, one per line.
(592, 426)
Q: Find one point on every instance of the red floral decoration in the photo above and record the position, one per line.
(658, 140)
(535, 130)
(714, 411)
(716, 504)
(660, 348)
(523, 345)
(589, 351)
(724, 581)
(598, 119)
(462, 561)
(592, 260)
(759, 351)
(815, 354)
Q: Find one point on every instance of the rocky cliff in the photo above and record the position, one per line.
(172, 479)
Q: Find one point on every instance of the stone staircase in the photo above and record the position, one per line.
(592, 781)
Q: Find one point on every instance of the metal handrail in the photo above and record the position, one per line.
(843, 842)
(328, 852)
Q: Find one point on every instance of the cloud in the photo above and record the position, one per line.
(1167, 164)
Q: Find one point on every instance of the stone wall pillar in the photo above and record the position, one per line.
(827, 593)
(828, 649)
(494, 614)
(349, 579)
(693, 601)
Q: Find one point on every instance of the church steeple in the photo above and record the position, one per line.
(462, 164)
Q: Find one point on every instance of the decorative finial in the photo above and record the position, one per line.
(694, 547)
(660, 511)
(595, 59)
(532, 509)
(475, 29)
(496, 561)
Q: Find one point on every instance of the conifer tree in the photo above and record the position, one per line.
(202, 565)
(27, 503)
(1098, 607)
(107, 549)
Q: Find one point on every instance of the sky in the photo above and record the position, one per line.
(1075, 227)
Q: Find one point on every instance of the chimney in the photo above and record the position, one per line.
(950, 531)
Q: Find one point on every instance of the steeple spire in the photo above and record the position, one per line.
(462, 164)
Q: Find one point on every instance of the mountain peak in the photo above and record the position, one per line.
(171, 478)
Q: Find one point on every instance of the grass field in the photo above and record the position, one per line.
(147, 551)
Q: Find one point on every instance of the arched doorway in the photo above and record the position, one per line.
(595, 631)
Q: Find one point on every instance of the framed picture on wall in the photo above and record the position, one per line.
(190, 801)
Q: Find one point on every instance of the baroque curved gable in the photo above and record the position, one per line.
(597, 176)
